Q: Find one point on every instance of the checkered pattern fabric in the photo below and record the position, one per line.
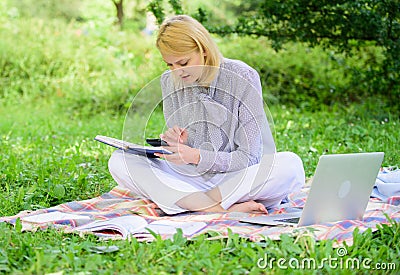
(121, 202)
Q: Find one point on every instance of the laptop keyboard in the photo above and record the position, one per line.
(290, 220)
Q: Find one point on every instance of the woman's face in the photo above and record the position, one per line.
(188, 67)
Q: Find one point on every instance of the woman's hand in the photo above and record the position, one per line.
(176, 138)
(175, 135)
(182, 154)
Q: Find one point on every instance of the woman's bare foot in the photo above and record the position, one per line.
(248, 207)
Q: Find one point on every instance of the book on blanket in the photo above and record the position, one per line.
(123, 226)
(131, 225)
(131, 147)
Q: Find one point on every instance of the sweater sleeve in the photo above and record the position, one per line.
(251, 137)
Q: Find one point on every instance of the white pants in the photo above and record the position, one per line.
(268, 182)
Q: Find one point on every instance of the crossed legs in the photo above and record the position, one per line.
(174, 195)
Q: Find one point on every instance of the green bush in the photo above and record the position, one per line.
(82, 67)
(92, 66)
(297, 75)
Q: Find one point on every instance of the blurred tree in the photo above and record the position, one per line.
(119, 5)
(131, 14)
(346, 25)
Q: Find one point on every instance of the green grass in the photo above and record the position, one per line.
(335, 130)
(49, 156)
(51, 251)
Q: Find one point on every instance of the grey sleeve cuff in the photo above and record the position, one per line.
(207, 161)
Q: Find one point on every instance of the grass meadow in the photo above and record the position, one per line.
(62, 83)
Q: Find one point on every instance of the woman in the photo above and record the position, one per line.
(224, 155)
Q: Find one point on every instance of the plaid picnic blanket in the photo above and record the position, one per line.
(121, 202)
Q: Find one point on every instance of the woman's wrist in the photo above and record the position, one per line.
(196, 156)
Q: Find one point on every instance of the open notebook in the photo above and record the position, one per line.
(131, 147)
(123, 226)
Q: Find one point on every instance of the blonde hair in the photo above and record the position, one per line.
(181, 35)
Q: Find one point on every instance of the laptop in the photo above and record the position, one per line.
(340, 190)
